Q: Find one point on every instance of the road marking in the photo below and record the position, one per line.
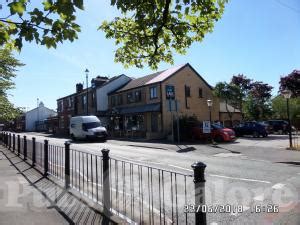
(213, 223)
(180, 168)
(237, 178)
(278, 186)
(259, 197)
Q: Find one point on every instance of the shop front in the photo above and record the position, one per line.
(135, 122)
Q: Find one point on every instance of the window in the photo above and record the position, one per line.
(200, 93)
(83, 101)
(153, 92)
(113, 101)
(60, 106)
(119, 100)
(129, 97)
(93, 99)
(138, 96)
(187, 91)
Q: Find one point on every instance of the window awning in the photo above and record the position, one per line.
(139, 109)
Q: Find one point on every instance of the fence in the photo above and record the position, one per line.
(135, 192)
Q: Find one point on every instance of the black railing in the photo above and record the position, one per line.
(133, 191)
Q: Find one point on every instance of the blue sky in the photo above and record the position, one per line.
(259, 38)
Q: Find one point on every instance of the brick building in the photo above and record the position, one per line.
(142, 108)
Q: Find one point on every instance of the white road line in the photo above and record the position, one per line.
(237, 178)
(278, 186)
(181, 168)
(259, 197)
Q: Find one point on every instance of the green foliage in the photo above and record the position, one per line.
(47, 24)
(150, 31)
(279, 107)
(228, 93)
(291, 82)
(255, 110)
(8, 67)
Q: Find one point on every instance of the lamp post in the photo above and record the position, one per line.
(209, 104)
(287, 95)
(87, 91)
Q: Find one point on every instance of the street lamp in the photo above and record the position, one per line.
(87, 91)
(209, 104)
(287, 95)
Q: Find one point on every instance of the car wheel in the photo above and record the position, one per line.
(219, 138)
(255, 134)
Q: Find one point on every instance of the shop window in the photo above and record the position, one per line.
(134, 122)
(153, 92)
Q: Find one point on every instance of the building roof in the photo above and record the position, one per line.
(90, 88)
(230, 108)
(156, 78)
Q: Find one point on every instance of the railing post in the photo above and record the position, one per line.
(67, 164)
(25, 148)
(9, 141)
(33, 151)
(19, 145)
(106, 180)
(14, 142)
(45, 158)
(6, 139)
(199, 182)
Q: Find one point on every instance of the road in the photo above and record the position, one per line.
(251, 173)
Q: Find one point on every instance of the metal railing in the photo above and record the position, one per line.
(135, 192)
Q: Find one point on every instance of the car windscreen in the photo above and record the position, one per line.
(90, 125)
(217, 126)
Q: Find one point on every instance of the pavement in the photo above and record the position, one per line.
(250, 172)
(26, 197)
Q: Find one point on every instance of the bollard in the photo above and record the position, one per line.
(45, 158)
(33, 151)
(19, 145)
(67, 164)
(25, 148)
(106, 184)
(6, 139)
(14, 142)
(199, 181)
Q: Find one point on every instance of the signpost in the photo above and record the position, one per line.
(206, 127)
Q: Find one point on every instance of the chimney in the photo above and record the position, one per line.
(98, 81)
(79, 87)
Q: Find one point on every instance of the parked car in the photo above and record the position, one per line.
(218, 133)
(87, 127)
(251, 128)
(279, 126)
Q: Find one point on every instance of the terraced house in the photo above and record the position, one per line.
(145, 106)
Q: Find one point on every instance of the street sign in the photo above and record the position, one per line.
(206, 127)
(170, 92)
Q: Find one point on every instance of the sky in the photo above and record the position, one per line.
(257, 38)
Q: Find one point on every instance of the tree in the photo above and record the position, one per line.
(229, 93)
(244, 85)
(257, 104)
(148, 31)
(8, 67)
(291, 82)
(280, 110)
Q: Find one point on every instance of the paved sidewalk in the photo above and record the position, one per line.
(26, 197)
(20, 203)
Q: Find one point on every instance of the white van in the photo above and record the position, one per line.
(87, 127)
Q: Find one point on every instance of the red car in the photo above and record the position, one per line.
(218, 133)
